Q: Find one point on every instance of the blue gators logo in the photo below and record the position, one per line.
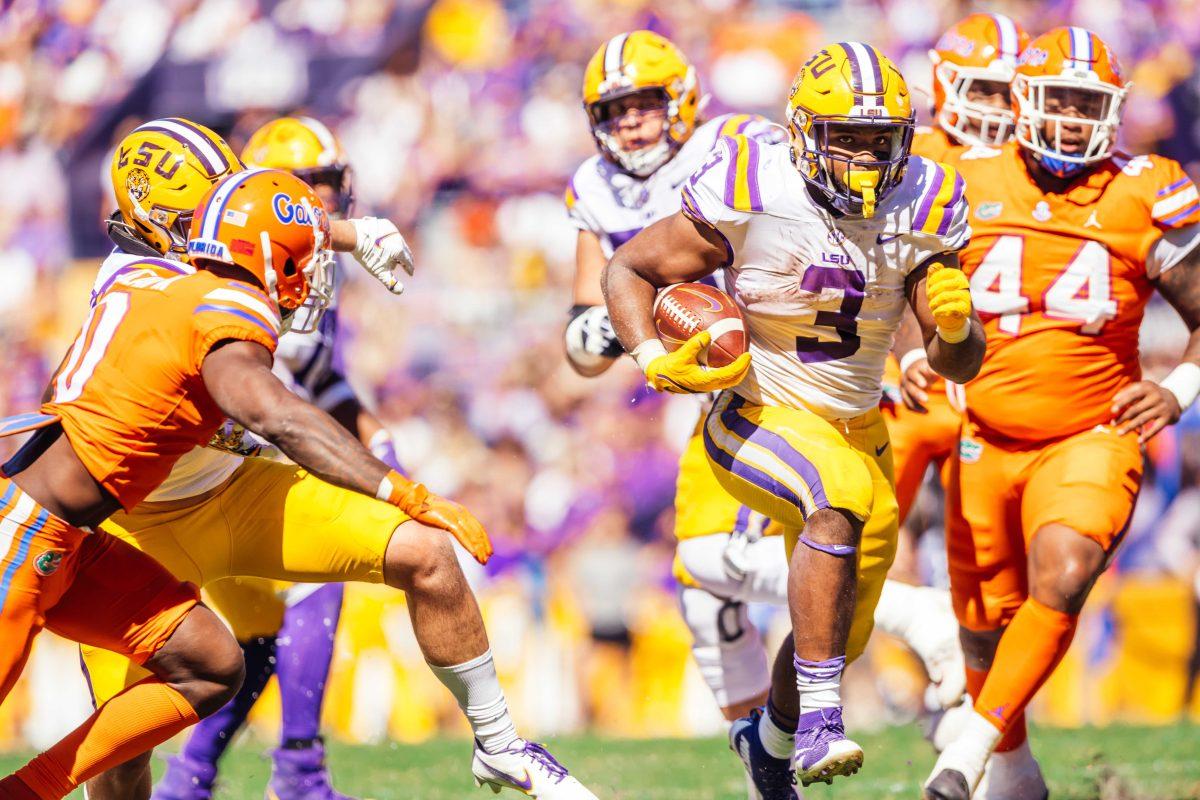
(289, 212)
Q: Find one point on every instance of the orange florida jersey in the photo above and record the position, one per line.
(933, 143)
(129, 392)
(1061, 282)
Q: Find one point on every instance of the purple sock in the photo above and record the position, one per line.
(303, 653)
(213, 734)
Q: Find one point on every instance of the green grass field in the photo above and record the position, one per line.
(1119, 763)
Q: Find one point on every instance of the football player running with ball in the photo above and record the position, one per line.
(824, 241)
(288, 630)
(1071, 239)
(641, 96)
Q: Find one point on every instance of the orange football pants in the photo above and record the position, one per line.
(919, 440)
(89, 587)
(1001, 491)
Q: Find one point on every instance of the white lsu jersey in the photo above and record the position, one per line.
(615, 205)
(822, 294)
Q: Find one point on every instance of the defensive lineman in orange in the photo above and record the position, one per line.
(1070, 239)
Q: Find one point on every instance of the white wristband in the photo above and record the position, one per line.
(1184, 383)
(647, 351)
(912, 357)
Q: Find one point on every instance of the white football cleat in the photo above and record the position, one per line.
(1014, 775)
(527, 767)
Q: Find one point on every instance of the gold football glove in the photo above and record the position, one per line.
(949, 296)
(682, 373)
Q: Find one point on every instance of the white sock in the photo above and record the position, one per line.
(775, 740)
(970, 752)
(477, 690)
(819, 683)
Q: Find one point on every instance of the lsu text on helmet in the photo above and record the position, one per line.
(272, 225)
(159, 173)
(845, 87)
(640, 65)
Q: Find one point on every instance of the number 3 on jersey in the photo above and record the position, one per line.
(1081, 292)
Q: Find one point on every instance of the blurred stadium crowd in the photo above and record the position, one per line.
(463, 121)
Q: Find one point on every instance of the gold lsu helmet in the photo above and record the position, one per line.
(306, 148)
(632, 63)
(160, 172)
(847, 85)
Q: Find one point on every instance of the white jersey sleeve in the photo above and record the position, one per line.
(726, 190)
(932, 210)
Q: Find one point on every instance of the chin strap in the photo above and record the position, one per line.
(126, 239)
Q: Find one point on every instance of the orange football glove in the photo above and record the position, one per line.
(428, 509)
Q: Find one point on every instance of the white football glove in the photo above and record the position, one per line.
(380, 249)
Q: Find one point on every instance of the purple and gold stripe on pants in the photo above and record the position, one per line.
(762, 458)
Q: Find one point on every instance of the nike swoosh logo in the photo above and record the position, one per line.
(879, 450)
(884, 238)
(526, 784)
(386, 235)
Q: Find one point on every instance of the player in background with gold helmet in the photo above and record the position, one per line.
(796, 433)
(288, 630)
(1071, 238)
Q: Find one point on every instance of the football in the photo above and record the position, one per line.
(685, 309)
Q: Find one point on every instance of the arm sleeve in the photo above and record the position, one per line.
(233, 311)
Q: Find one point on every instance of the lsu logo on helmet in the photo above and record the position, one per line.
(640, 63)
(980, 48)
(1069, 94)
(306, 148)
(159, 173)
(846, 86)
(271, 224)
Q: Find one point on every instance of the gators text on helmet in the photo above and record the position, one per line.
(271, 224)
(979, 48)
(1069, 92)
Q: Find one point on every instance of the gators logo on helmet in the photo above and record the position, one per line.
(1069, 93)
(159, 173)
(271, 224)
(640, 63)
(981, 49)
(847, 86)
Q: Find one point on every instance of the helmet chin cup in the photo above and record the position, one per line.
(864, 182)
(1058, 167)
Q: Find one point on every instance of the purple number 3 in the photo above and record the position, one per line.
(812, 350)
